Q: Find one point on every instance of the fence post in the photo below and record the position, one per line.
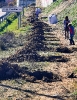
(19, 19)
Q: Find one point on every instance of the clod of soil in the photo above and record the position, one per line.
(43, 76)
(8, 71)
(64, 50)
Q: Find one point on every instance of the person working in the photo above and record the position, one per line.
(66, 22)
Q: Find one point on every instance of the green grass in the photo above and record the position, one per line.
(75, 95)
(7, 22)
(75, 71)
(11, 27)
(52, 6)
(14, 28)
(11, 24)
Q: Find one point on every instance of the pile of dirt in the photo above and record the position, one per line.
(36, 42)
(43, 76)
(8, 71)
(13, 71)
(64, 50)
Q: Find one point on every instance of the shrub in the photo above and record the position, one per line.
(7, 40)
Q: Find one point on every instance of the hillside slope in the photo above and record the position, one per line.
(43, 69)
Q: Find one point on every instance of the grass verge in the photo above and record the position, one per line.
(52, 6)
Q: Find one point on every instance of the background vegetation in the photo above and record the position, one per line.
(52, 6)
(11, 24)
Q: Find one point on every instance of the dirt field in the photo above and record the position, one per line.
(41, 69)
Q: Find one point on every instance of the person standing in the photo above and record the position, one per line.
(66, 22)
(37, 12)
(72, 33)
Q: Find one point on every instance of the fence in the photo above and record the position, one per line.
(2, 18)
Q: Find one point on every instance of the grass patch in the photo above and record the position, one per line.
(7, 22)
(14, 28)
(75, 94)
(11, 25)
(52, 6)
(75, 71)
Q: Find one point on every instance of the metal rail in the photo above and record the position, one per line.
(2, 18)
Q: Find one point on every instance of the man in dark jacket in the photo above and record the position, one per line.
(66, 22)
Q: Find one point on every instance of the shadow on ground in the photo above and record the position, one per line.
(64, 50)
(35, 93)
(13, 71)
(37, 41)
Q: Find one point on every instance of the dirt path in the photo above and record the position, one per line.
(61, 90)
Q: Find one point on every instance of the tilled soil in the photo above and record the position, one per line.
(42, 69)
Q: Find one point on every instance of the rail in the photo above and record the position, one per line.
(2, 18)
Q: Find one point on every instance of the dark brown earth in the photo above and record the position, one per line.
(43, 69)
